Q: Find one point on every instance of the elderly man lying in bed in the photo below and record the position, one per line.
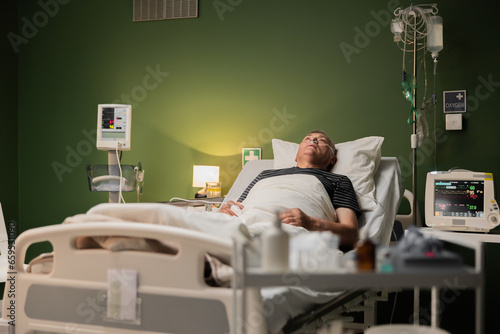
(306, 197)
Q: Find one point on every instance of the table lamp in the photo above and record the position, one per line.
(202, 175)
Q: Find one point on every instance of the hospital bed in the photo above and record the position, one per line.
(67, 291)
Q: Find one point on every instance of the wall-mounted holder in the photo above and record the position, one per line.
(107, 177)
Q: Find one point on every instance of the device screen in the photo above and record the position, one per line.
(459, 198)
(108, 118)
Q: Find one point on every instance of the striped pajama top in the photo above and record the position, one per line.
(338, 187)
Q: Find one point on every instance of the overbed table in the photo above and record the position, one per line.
(465, 278)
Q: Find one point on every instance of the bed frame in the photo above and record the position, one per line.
(72, 298)
(172, 296)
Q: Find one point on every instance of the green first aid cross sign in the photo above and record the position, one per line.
(251, 154)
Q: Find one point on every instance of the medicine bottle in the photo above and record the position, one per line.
(365, 249)
(275, 248)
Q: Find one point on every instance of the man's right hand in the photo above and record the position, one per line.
(226, 208)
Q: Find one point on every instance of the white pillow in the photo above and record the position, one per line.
(358, 160)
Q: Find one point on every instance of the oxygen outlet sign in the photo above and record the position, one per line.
(455, 101)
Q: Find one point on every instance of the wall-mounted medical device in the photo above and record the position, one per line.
(461, 201)
(114, 127)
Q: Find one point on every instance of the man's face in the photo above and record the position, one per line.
(315, 150)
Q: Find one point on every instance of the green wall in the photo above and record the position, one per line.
(9, 167)
(242, 73)
(201, 89)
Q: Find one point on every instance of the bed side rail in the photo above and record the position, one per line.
(73, 263)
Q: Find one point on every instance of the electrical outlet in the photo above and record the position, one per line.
(453, 121)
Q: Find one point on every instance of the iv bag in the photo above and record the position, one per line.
(435, 35)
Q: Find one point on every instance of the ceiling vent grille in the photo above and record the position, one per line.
(149, 10)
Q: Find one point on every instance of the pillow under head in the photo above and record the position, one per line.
(358, 159)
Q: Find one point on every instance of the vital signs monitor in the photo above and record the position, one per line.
(461, 201)
(113, 127)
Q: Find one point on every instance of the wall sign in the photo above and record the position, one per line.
(455, 101)
(251, 154)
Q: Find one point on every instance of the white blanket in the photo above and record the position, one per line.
(266, 199)
(273, 195)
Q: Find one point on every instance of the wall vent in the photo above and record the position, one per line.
(149, 10)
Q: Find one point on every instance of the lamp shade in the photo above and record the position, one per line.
(204, 174)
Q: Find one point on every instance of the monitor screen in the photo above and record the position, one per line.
(459, 198)
(108, 118)
(114, 126)
(461, 201)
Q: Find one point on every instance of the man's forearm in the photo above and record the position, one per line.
(346, 225)
(348, 234)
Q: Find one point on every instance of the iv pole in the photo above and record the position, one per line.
(409, 18)
(113, 163)
(414, 139)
